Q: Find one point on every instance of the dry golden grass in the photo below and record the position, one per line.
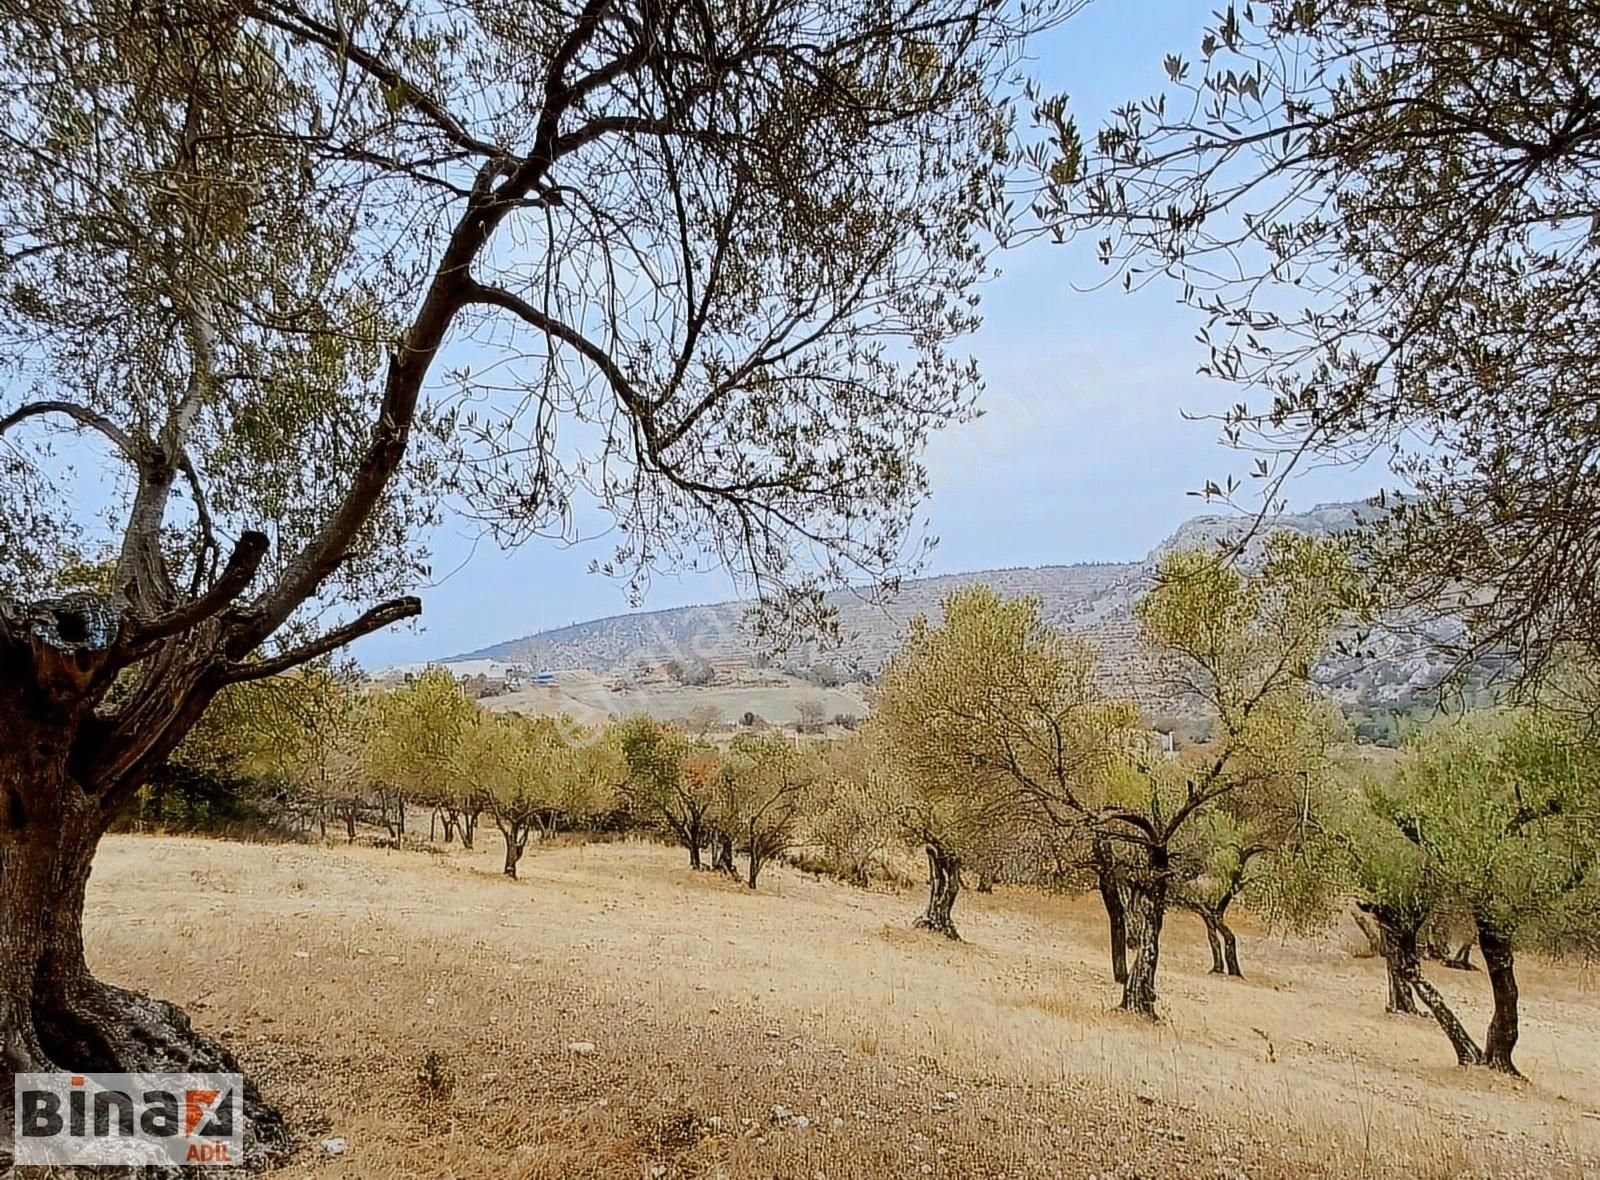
(333, 972)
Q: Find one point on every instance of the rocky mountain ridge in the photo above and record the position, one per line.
(1094, 600)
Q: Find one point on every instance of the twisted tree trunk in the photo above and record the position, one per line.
(1214, 938)
(516, 835)
(1230, 950)
(944, 883)
(1466, 1049)
(1111, 894)
(54, 1014)
(1500, 963)
(1146, 911)
(723, 861)
(1396, 944)
(1219, 935)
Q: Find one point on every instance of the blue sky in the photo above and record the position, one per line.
(1084, 455)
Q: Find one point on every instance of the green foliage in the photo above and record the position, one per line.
(245, 234)
(1498, 810)
(993, 720)
(420, 744)
(1384, 214)
(765, 785)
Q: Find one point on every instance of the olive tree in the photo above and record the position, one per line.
(515, 763)
(1231, 857)
(310, 734)
(293, 266)
(418, 753)
(763, 790)
(1499, 815)
(994, 722)
(661, 788)
(1383, 212)
(1241, 648)
(855, 816)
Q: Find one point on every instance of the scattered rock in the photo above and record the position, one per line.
(302, 954)
(837, 1122)
(801, 1122)
(779, 1113)
(580, 1048)
(335, 1146)
(950, 1096)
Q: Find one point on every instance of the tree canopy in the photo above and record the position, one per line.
(1384, 212)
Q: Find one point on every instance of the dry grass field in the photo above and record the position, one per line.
(803, 1031)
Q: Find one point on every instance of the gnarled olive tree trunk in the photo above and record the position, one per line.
(1112, 895)
(65, 774)
(1500, 963)
(1219, 936)
(1395, 942)
(1214, 940)
(722, 855)
(944, 883)
(1147, 910)
(1466, 1049)
(516, 834)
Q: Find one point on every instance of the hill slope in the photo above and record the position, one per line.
(1094, 600)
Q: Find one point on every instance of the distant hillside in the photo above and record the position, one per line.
(1092, 600)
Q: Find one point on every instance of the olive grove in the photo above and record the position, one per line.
(720, 254)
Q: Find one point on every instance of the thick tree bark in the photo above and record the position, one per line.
(723, 862)
(1396, 944)
(1111, 894)
(54, 1015)
(1224, 944)
(516, 843)
(944, 883)
(1147, 910)
(1230, 949)
(1214, 937)
(693, 836)
(468, 828)
(1500, 962)
(1466, 1049)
